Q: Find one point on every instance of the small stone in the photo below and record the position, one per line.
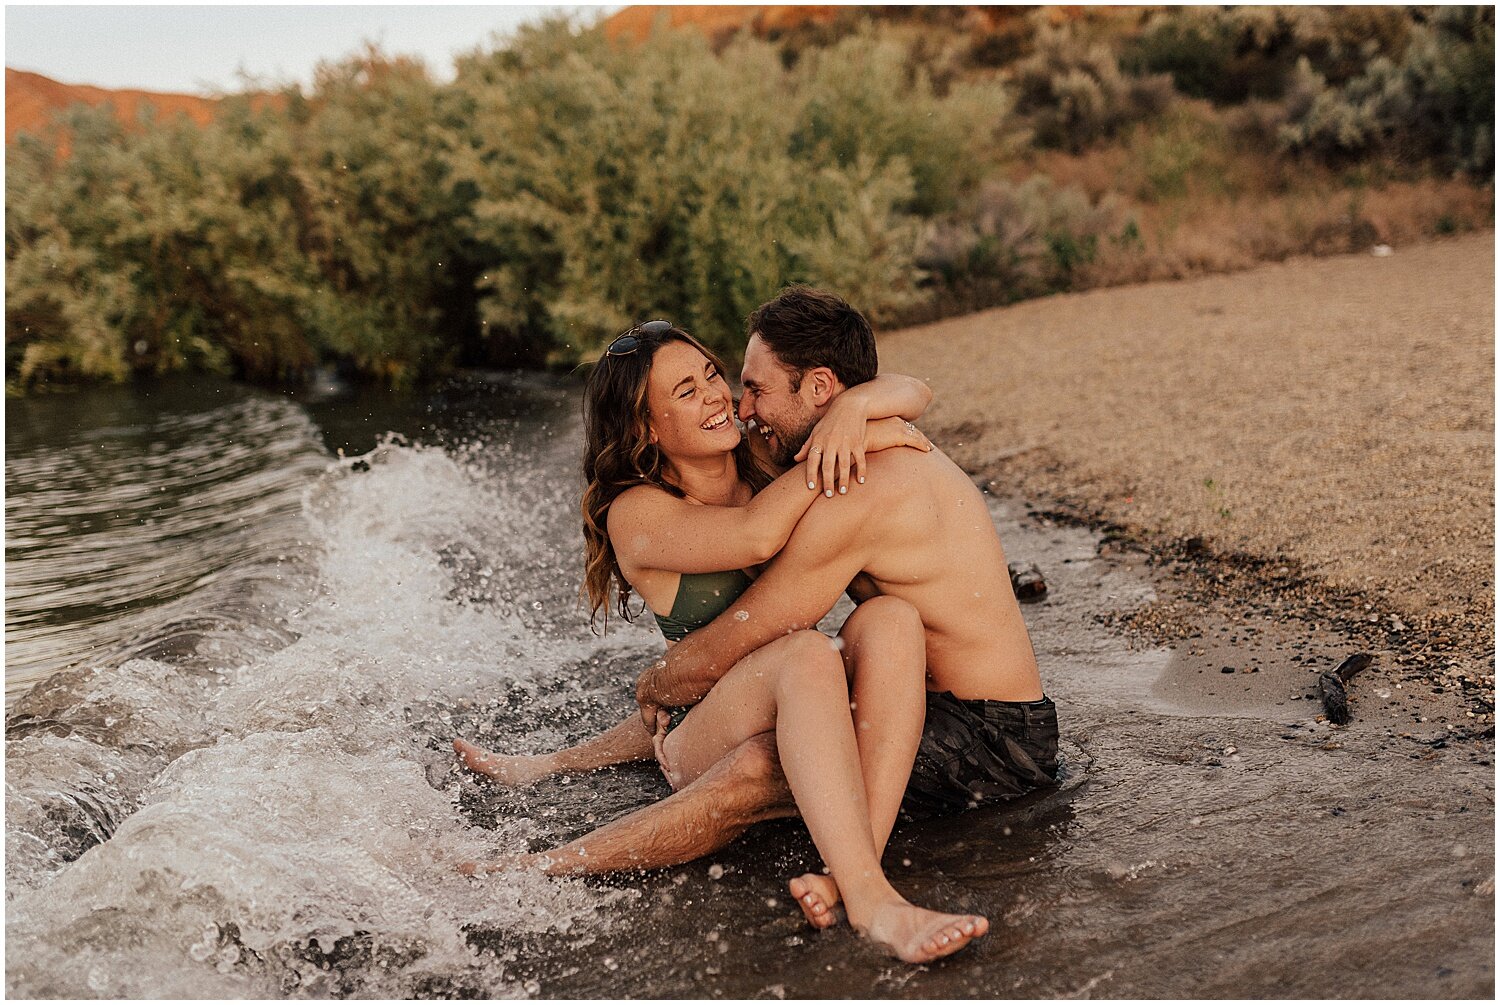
(1027, 582)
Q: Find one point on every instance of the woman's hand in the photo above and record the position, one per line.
(659, 742)
(835, 449)
(884, 434)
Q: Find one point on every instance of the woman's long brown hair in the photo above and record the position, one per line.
(618, 454)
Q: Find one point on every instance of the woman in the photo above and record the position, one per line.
(672, 503)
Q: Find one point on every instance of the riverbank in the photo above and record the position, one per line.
(1314, 439)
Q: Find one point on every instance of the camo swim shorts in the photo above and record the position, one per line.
(977, 751)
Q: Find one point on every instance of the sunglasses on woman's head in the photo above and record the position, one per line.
(631, 340)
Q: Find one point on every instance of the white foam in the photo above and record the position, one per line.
(289, 839)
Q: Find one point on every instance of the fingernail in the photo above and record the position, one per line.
(812, 485)
(828, 493)
(861, 479)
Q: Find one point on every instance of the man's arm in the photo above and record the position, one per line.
(802, 584)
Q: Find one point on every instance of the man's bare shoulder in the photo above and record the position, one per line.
(896, 470)
(892, 482)
(906, 478)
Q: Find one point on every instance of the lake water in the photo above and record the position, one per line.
(257, 621)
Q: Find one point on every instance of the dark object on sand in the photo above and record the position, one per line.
(1332, 684)
(1027, 581)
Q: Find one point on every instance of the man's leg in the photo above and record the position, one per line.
(743, 788)
(619, 744)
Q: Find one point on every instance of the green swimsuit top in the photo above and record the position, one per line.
(701, 597)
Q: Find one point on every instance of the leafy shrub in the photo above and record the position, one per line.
(1021, 240)
(1233, 54)
(1074, 93)
(1436, 102)
(615, 184)
(254, 246)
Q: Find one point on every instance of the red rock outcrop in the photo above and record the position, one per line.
(32, 99)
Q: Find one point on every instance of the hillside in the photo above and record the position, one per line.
(32, 99)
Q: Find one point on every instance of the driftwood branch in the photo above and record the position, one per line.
(1333, 687)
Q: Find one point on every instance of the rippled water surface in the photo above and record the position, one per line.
(242, 629)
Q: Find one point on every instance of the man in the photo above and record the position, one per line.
(917, 530)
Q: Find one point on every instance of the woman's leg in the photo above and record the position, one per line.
(627, 741)
(796, 687)
(885, 655)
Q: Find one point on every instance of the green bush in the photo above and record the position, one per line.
(1436, 103)
(615, 184)
(1074, 93)
(256, 246)
(1233, 54)
(1021, 240)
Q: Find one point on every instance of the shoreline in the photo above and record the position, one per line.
(1311, 441)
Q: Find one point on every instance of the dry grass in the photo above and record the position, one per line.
(1205, 203)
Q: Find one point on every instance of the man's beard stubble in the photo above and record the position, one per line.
(785, 454)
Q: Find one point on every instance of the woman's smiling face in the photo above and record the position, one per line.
(690, 409)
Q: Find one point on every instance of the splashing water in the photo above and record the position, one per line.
(267, 809)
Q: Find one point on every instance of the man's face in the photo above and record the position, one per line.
(785, 417)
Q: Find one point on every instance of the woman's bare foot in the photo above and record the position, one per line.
(505, 863)
(917, 935)
(507, 769)
(817, 895)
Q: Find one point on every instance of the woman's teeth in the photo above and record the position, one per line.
(717, 421)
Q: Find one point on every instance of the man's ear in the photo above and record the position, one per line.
(825, 386)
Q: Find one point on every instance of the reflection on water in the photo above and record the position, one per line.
(149, 524)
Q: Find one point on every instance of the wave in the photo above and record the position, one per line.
(255, 797)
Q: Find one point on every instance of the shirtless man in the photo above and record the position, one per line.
(917, 530)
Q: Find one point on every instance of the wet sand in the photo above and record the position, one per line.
(1319, 431)
(1212, 837)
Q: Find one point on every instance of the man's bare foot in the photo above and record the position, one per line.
(507, 769)
(917, 935)
(817, 895)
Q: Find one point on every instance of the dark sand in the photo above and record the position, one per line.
(1319, 433)
(1212, 837)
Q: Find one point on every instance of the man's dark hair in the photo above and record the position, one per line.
(807, 328)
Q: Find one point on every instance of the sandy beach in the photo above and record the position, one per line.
(1318, 429)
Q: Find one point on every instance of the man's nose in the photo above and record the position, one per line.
(747, 406)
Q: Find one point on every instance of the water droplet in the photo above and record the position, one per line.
(716, 871)
(742, 615)
(536, 605)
